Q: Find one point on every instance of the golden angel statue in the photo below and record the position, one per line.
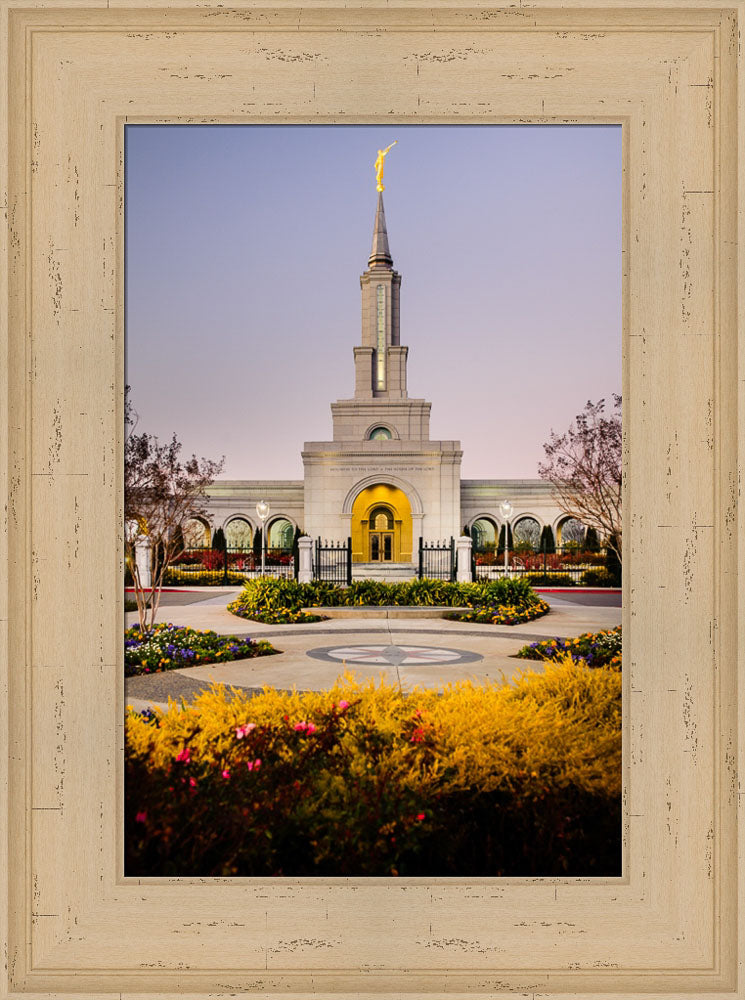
(380, 164)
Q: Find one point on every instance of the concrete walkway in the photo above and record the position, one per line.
(492, 649)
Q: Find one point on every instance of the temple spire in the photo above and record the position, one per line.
(380, 255)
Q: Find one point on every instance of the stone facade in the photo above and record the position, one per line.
(380, 438)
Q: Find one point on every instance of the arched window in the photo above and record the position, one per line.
(380, 434)
(196, 534)
(571, 532)
(381, 519)
(483, 533)
(238, 533)
(526, 531)
(281, 534)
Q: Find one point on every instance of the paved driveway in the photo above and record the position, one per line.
(429, 652)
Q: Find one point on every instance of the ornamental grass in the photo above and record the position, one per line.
(499, 779)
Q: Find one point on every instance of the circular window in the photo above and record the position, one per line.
(380, 434)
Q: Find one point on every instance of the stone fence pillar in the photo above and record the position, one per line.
(305, 560)
(143, 558)
(463, 550)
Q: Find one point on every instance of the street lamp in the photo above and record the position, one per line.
(262, 509)
(506, 508)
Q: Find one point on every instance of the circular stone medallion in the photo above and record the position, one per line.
(393, 656)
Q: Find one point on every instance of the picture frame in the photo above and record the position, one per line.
(73, 75)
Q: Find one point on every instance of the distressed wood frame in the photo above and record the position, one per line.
(74, 73)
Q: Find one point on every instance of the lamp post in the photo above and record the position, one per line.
(506, 508)
(262, 509)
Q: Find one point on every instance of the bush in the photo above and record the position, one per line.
(273, 601)
(482, 780)
(168, 647)
(550, 580)
(598, 578)
(594, 649)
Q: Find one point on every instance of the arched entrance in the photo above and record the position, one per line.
(381, 525)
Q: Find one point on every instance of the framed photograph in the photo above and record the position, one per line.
(82, 918)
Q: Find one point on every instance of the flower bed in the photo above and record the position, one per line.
(276, 601)
(274, 616)
(365, 780)
(168, 647)
(501, 615)
(596, 649)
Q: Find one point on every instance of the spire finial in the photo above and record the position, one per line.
(380, 164)
(380, 255)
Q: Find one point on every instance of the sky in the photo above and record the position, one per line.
(243, 250)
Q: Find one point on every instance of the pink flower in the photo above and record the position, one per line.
(254, 765)
(226, 773)
(304, 727)
(184, 755)
(141, 817)
(343, 705)
(193, 782)
(242, 731)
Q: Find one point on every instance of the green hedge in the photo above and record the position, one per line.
(550, 580)
(270, 600)
(201, 578)
(600, 577)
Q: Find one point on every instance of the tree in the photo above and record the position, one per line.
(219, 542)
(613, 563)
(500, 543)
(547, 539)
(258, 542)
(161, 493)
(584, 467)
(592, 542)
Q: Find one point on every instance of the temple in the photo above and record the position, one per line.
(381, 480)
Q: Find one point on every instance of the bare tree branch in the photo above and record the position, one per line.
(162, 492)
(584, 467)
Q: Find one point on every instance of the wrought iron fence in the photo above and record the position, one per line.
(332, 561)
(203, 567)
(437, 560)
(567, 564)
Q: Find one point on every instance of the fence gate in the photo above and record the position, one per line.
(333, 561)
(437, 560)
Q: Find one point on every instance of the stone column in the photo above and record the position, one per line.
(143, 558)
(463, 550)
(305, 562)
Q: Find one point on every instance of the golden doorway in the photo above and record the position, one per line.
(381, 525)
(382, 533)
